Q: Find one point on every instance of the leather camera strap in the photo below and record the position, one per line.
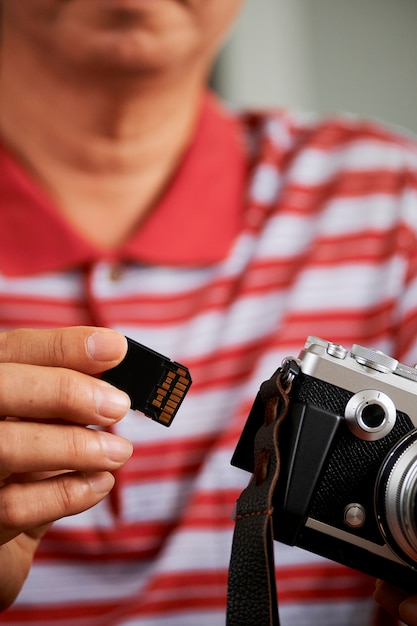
(252, 595)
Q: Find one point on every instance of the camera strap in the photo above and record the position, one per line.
(252, 594)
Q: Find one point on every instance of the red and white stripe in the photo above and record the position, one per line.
(327, 246)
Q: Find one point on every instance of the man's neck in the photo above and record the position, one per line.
(104, 153)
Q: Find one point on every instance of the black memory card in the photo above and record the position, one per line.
(156, 385)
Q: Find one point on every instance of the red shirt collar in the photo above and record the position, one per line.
(202, 207)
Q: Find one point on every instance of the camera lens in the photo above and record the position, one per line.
(396, 498)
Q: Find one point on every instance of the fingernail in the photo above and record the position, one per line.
(106, 345)
(408, 610)
(111, 403)
(101, 482)
(116, 449)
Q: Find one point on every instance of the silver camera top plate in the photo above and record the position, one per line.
(361, 368)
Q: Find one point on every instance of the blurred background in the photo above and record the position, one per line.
(357, 56)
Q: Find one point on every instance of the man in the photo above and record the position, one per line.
(397, 603)
(132, 199)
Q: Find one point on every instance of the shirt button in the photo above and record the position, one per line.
(115, 272)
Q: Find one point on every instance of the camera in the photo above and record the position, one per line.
(347, 487)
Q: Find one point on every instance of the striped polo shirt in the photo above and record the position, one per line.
(276, 226)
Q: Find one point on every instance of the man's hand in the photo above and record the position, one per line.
(397, 602)
(51, 465)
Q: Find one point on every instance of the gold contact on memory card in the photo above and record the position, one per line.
(170, 393)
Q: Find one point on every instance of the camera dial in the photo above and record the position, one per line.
(406, 371)
(375, 359)
(396, 498)
(370, 414)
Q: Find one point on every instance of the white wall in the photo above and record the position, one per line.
(325, 55)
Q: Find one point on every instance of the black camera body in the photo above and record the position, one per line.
(347, 487)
